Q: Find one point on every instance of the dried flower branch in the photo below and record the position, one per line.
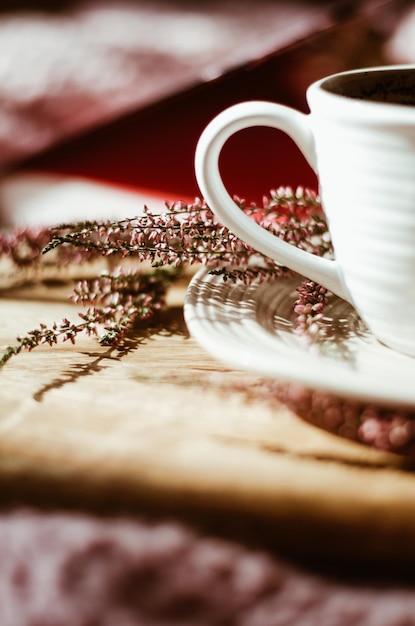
(182, 234)
(23, 248)
(114, 304)
(187, 234)
(190, 233)
(383, 428)
(309, 308)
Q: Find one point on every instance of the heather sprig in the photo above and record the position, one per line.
(23, 247)
(114, 303)
(309, 309)
(384, 428)
(190, 233)
(182, 234)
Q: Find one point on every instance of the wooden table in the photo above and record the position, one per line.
(165, 427)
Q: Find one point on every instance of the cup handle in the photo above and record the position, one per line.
(221, 128)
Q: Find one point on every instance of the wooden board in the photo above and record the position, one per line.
(165, 426)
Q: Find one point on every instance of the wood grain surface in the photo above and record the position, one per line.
(162, 425)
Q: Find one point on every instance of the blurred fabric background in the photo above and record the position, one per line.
(66, 67)
(119, 92)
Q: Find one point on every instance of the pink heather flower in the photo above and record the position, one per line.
(190, 234)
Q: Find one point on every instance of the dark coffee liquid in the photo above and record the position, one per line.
(393, 86)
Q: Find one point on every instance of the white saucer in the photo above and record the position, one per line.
(252, 328)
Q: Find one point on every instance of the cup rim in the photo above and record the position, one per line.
(334, 104)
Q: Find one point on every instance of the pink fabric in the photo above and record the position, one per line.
(77, 570)
(64, 71)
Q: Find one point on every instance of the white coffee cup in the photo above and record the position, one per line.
(360, 139)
